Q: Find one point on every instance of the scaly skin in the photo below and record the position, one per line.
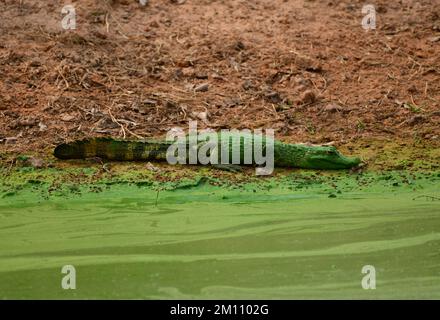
(285, 155)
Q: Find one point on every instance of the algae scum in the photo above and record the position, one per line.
(299, 236)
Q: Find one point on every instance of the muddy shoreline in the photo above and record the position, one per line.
(304, 68)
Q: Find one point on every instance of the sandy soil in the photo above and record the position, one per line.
(305, 68)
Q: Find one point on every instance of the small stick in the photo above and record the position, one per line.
(157, 197)
(116, 121)
(426, 196)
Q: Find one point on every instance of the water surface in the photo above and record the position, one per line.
(212, 242)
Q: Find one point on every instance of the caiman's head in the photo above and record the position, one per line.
(328, 157)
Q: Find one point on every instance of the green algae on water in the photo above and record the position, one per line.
(270, 238)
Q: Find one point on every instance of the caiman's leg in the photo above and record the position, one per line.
(228, 167)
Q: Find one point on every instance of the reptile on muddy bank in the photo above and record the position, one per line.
(285, 155)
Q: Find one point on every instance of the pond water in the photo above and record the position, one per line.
(213, 243)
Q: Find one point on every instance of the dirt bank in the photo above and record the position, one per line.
(306, 68)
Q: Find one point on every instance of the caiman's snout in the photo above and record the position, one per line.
(331, 158)
(349, 162)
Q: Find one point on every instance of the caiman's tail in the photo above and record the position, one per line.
(110, 149)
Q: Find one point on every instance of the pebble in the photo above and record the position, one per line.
(202, 88)
(307, 97)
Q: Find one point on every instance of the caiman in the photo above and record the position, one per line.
(285, 154)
